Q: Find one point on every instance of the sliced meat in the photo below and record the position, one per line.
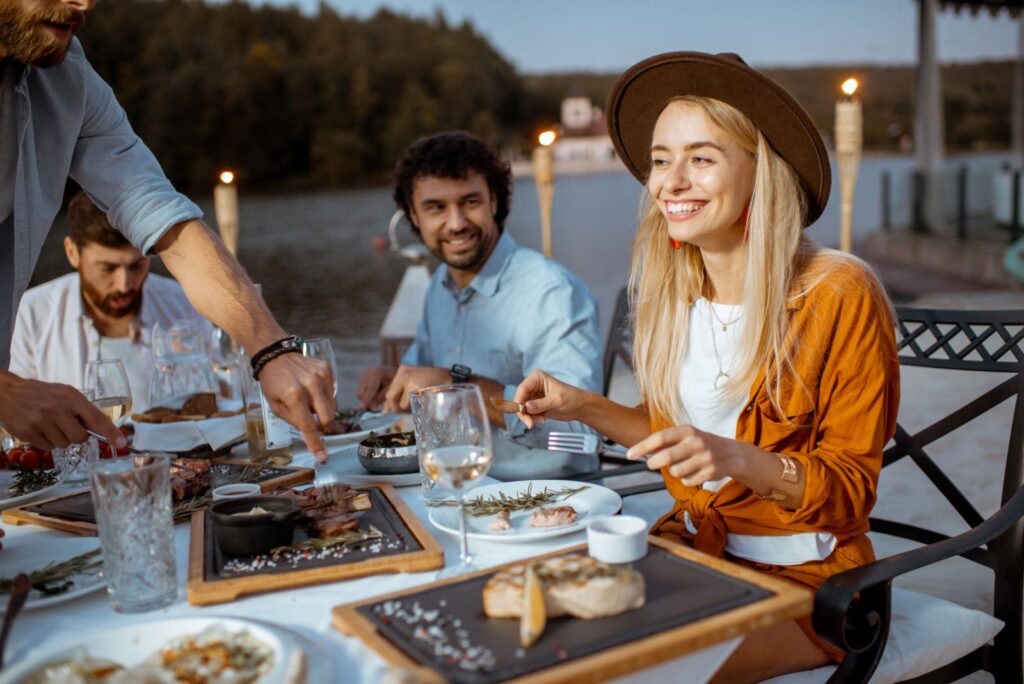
(333, 525)
(555, 516)
(500, 522)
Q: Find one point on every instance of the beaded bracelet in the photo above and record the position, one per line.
(285, 345)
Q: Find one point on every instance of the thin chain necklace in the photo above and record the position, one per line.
(725, 324)
(722, 375)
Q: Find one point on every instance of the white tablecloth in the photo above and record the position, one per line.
(308, 610)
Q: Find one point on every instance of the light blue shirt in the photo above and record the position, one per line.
(70, 124)
(521, 312)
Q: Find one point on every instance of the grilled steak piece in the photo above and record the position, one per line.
(555, 516)
(574, 585)
(500, 522)
(333, 525)
(200, 404)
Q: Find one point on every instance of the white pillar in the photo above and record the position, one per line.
(929, 127)
(1018, 98)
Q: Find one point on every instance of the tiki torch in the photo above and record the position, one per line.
(849, 142)
(544, 176)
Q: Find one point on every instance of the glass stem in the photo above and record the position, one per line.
(464, 545)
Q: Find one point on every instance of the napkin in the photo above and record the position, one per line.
(193, 434)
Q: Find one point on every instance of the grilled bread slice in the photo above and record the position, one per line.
(575, 585)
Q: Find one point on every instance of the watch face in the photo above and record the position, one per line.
(461, 373)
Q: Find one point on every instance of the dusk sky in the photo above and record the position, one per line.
(609, 35)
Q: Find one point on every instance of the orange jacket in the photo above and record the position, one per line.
(842, 338)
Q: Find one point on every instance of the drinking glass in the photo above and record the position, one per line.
(321, 348)
(106, 385)
(132, 499)
(181, 367)
(453, 438)
(74, 460)
(226, 357)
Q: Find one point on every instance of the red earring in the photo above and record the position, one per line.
(676, 244)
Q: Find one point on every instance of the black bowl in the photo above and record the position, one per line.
(251, 535)
(398, 459)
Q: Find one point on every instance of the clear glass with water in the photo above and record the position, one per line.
(132, 499)
(74, 460)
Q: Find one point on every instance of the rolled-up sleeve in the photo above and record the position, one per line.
(121, 175)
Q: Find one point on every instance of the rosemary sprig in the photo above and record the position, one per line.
(316, 544)
(47, 578)
(27, 481)
(187, 507)
(524, 501)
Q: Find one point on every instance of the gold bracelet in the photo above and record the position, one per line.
(773, 495)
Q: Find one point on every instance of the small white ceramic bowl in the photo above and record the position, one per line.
(617, 539)
(236, 490)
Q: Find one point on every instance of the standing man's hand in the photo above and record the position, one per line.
(49, 415)
(298, 388)
(373, 386)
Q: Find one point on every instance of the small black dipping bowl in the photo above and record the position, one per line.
(250, 535)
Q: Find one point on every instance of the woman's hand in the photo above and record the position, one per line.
(692, 455)
(545, 397)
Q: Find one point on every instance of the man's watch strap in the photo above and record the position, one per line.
(460, 373)
(285, 345)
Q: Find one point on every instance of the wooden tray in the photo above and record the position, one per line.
(33, 513)
(693, 601)
(412, 549)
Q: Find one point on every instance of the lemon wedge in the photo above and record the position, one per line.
(535, 616)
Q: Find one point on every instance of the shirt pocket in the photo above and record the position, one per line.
(788, 429)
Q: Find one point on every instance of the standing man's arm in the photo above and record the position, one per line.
(219, 289)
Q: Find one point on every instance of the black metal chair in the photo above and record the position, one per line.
(852, 610)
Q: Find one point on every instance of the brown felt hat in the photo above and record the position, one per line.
(640, 95)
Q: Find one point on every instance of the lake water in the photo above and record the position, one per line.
(313, 252)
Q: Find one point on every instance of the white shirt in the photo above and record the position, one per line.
(711, 351)
(54, 337)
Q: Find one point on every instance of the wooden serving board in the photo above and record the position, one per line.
(708, 600)
(30, 513)
(411, 549)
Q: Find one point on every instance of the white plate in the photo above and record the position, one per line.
(37, 554)
(132, 644)
(371, 422)
(592, 503)
(6, 480)
(344, 463)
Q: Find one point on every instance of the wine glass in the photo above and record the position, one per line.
(454, 442)
(321, 348)
(106, 385)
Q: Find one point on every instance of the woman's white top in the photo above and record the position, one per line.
(709, 410)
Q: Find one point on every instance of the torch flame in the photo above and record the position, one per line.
(546, 138)
(226, 177)
(850, 86)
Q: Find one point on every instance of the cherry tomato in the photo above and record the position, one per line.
(47, 459)
(31, 458)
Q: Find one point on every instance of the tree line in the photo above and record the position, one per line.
(291, 100)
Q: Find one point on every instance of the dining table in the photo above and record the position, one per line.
(307, 610)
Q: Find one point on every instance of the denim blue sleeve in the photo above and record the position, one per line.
(120, 174)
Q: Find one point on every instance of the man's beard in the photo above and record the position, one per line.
(104, 304)
(23, 38)
(464, 260)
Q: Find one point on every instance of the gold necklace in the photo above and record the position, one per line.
(722, 375)
(725, 324)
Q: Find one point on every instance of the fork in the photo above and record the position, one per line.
(573, 442)
(324, 481)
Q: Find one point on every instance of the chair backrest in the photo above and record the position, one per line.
(620, 339)
(987, 341)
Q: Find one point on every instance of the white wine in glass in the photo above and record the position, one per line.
(321, 348)
(453, 436)
(106, 385)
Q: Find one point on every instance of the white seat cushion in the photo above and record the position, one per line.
(926, 633)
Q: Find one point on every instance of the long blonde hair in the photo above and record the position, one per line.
(664, 283)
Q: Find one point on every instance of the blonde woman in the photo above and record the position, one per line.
(767, 364)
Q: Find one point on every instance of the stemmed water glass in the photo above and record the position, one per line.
(454, 442)
(106, 385)
(321, 348)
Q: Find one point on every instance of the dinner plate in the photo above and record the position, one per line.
(344, 462)
(132, 644)
(369, 421)
(592, 503)
(36, 554)
(7, 501)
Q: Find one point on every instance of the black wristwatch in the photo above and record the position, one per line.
(460, 374)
